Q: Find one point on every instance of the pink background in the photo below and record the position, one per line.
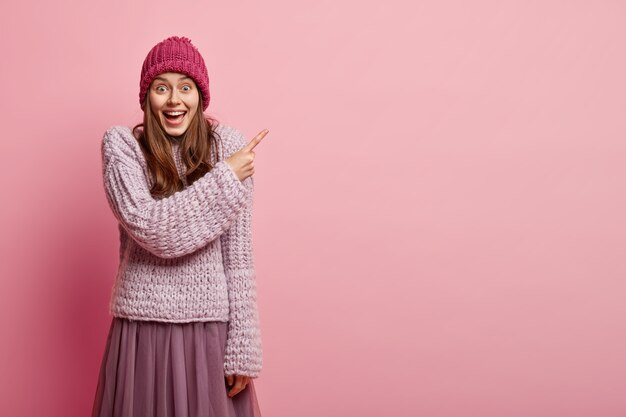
(439, 215)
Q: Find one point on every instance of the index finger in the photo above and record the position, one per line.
(256, 140)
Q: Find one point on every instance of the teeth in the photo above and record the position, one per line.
(174, 113)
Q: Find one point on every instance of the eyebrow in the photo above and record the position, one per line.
(179, 80)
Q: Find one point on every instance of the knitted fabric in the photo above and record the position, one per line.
(187, 257)
(174, 54)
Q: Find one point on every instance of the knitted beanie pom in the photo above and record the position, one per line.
(175, 54)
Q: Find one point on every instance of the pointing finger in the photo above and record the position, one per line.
(256, 140)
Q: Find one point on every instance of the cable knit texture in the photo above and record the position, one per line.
(187, 257)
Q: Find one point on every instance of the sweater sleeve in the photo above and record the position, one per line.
(175, 225)
(243, 354)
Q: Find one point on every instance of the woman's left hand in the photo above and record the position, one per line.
(240, 383)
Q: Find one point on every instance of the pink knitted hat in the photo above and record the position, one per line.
(175, 54)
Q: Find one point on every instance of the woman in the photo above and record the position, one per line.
(185, 338)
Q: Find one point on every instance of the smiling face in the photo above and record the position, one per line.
(170, 94)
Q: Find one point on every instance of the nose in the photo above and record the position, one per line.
(173, 97)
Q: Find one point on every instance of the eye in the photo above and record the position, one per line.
(187, 85)
(159, 88)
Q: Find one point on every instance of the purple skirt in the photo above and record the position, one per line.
(159, 369)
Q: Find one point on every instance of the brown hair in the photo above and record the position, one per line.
(198, 146)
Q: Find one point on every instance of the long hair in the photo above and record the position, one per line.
(198, 146)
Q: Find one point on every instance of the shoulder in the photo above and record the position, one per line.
(120, 142)
(232, 139)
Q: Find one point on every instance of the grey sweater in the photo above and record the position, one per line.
(187, 257)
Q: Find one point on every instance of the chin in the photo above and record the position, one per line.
(175, 130)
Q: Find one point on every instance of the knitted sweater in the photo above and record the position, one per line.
(187, 257)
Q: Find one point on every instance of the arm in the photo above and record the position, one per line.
(243, 354)
(176, 225)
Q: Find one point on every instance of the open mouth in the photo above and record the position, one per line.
(175, 117)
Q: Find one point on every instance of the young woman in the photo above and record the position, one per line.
(185, 337)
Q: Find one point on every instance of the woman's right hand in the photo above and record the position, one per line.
(242, 161)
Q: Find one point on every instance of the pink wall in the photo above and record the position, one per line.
(439, 214)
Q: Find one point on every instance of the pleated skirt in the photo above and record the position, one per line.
(159, 369)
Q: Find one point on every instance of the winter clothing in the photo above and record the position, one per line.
(186, 257)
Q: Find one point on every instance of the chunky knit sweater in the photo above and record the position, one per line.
(187, 257)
